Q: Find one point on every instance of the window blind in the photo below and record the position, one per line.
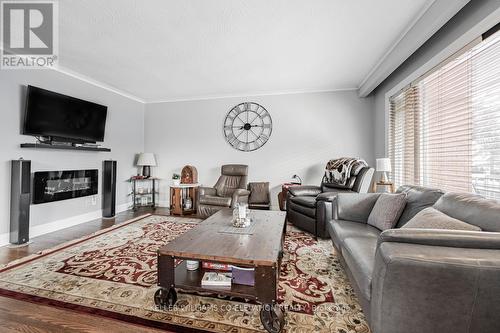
(404, 141)
(444, 129)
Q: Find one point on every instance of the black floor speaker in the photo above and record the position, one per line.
(20, 200)
(109, 189)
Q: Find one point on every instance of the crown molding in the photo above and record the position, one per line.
(89, 80)
(249, 94)
(396, 42)
(102, 85)
(433, 16)
(96, 83)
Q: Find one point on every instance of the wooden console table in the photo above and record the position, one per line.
(180, 195)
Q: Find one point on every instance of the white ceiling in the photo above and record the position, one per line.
(163, 50)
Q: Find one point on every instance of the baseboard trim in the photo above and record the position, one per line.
(46, 228)
(4, 239)
(165, 204)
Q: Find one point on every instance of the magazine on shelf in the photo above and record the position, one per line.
(216, 266)
(216, 279)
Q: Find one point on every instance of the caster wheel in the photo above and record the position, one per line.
(272, 318)
(165, 299)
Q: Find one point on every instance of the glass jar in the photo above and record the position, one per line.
(241, 218)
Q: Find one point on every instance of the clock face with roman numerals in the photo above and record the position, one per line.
(247, 126)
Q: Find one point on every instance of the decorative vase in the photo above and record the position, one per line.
(241, 218)
(176, 182)
(188, 203)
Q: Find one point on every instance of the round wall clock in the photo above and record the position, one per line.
(247, 126)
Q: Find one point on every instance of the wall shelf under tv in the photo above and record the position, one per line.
(47, 146)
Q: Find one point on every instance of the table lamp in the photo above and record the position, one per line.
(146, 160)
(384, 166)
(296, 179)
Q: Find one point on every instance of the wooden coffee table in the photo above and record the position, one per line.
(259, 246)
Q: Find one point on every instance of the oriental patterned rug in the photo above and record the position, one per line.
(112, 273)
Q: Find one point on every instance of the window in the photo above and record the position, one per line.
(444, 128)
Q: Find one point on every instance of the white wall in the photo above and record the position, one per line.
(308, 130)
(124, 135)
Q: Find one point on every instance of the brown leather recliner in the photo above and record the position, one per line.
(229, 190)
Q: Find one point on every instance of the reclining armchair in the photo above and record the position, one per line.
(311, 207)
(229, 190)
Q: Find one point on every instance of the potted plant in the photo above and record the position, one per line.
(176, 179)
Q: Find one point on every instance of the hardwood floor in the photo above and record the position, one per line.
(47, 241)
(19, 316)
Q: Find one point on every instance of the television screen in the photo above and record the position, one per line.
(63, 117)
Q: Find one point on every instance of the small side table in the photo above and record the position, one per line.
(384, 187)
(180, 196)
(284, 191)
(144, 194)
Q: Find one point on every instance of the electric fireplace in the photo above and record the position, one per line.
(61, 185)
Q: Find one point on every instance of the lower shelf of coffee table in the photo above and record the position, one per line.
(191, 281)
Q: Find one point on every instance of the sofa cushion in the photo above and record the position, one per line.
(302, 221)
(472, 209)
(355, 206)
(304, 201)
(340, 230)
(431, 218)
(215, 200)
(259, 193)
(303, 205)
(417, 198)
(359, 254)
(387, 210)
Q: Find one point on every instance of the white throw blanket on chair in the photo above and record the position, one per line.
(338, 171)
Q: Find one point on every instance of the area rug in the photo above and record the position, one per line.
(113, 273)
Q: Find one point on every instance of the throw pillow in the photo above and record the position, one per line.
(259, 193)
(417, 199)
(431, 218)
(387, 210)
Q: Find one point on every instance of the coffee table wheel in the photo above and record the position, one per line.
(165, 298)
(272, 318)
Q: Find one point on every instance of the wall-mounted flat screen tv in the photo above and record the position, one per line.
(63, 118)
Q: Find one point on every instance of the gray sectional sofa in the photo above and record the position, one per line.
(423, 280)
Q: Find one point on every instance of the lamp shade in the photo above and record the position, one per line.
(384, 164)
(146, 159)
